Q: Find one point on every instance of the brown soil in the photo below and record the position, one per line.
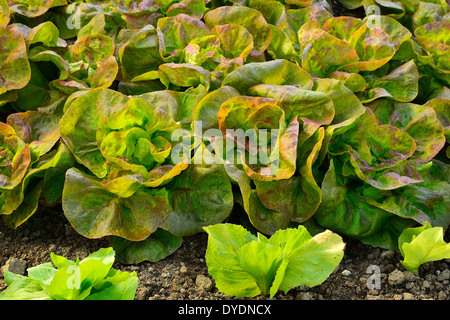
(184, 274)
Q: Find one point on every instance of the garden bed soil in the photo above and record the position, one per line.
(184, 274)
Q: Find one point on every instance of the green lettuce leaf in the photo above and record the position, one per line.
(199, 196)
(95, 212)
(422, 244)
(157, 246)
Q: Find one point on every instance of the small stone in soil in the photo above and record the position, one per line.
(204, 282)
(15, 265)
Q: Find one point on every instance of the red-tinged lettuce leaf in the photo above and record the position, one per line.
(276, 72)
(427, 12)
(37, 129)
(344, 209)
(264, 220)
(364, 47)
(375, 47)
(80, 122)
(433, 37)
(132, 7)
(46, 34)
(141, 53)
(353, 81)
(321, 52)
(299, 196)
(68, 87)
(204, 51)
(292, 20)
(208, 108)
(376, 153)
(301, 3)
(179, 105)
(95, 26)
(105, 74)
(200, 196)
(179, 31)
(422, 202)
(347, 109)
(15, 158)
(347, 106)
(272, 10)
(94, 212)
(124, 184)
(342, 27)
(30, 9)
(4, 13)
(93, 62)
(159, 245)
(282, 157)
(193, 8)
(244, 112)
(306, 104)
(402, 84)
(235, 40)
(442, 108)
(15, 70)
(83, 19)
(422, 123)
(249, 18)
(184, 75)
(19, 204)
(271, 150)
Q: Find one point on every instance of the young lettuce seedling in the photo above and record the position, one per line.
(244, 265)
(92, 278)
(422, 244)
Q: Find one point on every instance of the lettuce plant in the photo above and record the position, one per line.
(125, 143)
(127, 176)
(244, 265)
(92, 278)
(422, 244)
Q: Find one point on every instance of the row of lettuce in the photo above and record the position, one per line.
(93, 92)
